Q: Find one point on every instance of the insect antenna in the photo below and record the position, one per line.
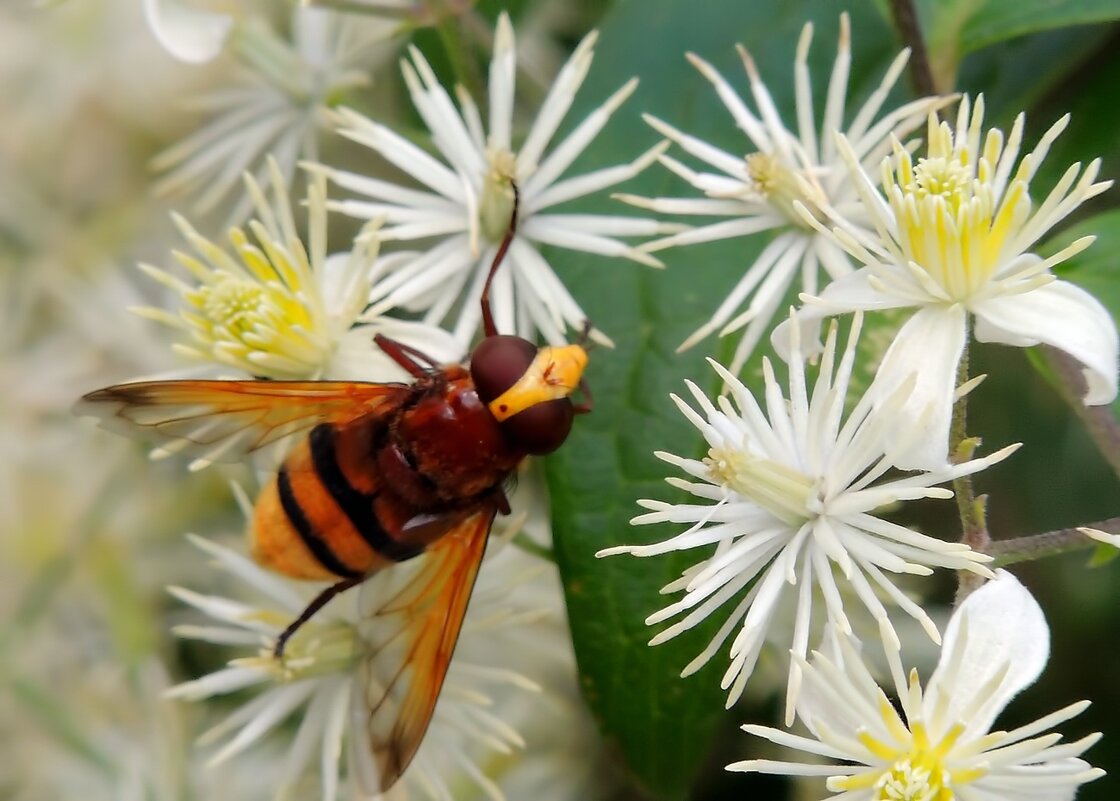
(488, 327)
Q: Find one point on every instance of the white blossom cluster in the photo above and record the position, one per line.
(339, 224)
(788, 507)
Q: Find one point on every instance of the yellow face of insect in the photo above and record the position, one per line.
(554, 373)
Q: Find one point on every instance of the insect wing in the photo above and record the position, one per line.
(411, 617)
(226, 420)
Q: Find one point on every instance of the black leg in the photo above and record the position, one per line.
(406, 356)
(318, 603)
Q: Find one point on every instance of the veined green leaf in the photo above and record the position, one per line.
(661, 724)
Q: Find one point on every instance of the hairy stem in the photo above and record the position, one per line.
(974, 525)
(1052, 543)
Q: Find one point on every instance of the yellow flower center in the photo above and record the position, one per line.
(781, 490)
(954, 222)
(911, 781)
(495, 207)
(916, 771)
(317, 649)
(232, 303)
(781, 187)
(941, 177)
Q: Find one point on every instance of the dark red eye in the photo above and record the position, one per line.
(542, 428)
(498, 362)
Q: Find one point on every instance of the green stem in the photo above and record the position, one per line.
(1052, 543)
(1099, 421)
(974, 525)
(526, 543)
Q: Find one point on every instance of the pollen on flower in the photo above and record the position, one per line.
(906, 781)
(782, 186)
(961, 209)
(941, 177)
(266, 303)
(916, 771)
(317, 649)
(781, 490)
(231, 303)
(496, 204)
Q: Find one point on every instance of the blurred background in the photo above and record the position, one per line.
(93, 117)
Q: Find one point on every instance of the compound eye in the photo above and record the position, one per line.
(542, 428)
(498, 362)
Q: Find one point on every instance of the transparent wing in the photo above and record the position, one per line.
(226, 420)
(411, 616)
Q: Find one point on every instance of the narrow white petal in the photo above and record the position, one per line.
(556, 104)
(502, 76)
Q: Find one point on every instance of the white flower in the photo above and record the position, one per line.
(193, 35)
(953, 235)
(466, 203)
(319, 671)
(788, 498)
(941, 748)
(281, 310)
(758, 192)
(275, 105)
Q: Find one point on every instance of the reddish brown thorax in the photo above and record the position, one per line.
(454, 441)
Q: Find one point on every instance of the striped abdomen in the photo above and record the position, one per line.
(322, 516)
(352, 499)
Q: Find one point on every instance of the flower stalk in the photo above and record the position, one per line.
(1099, 421)
(1052, 543)
(972, 510)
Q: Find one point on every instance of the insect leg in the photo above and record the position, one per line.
(488, 327)
(406, 356)
(318, 603)
(588, 401)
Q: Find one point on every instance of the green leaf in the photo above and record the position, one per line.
(956, 28)
(1103, 555)
(996, 20)
(661, 724)
(1097, 269)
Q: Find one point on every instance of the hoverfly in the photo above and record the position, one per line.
(384, 473)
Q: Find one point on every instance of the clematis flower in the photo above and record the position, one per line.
(279, 309)
(466, 201)
(788, 496)
(757, 193)
(953, 235)
(942, 745)
(275, 105)
(320, 678)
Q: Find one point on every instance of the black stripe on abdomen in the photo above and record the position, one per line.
(319, 549)
(357, 506)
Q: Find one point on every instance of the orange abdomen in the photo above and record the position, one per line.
(308, 525)
(352, 499)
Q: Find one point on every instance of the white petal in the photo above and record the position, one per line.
(1062, 315)
(848, 293)
(1005, 630)
(927, 347)
(188, 34)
